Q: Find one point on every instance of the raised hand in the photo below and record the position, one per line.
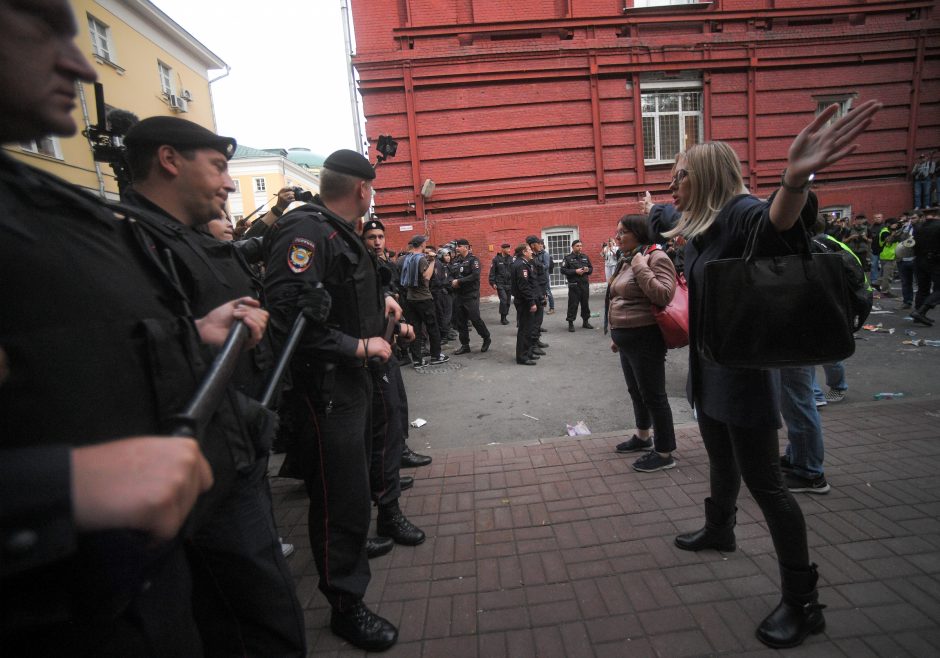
(818, 145)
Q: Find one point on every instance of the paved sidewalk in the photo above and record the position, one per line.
(558, 548)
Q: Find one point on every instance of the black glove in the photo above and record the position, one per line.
(315, 302)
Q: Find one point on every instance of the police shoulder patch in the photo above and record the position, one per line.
(476, 264)
(525, 274)
(300, 255)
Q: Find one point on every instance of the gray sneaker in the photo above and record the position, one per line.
(635, 444)
(652, 462)
(834, 395)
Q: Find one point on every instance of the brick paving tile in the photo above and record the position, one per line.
(556, 547)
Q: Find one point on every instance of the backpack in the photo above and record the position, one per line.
(856, 280)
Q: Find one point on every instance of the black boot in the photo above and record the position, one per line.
(799, 613)
(571, 327)
(718, 532)
(392, 523)
(411, 459)
(363, 628)
(920, 316)
(587, 325)
(378, 546)
(503, 319)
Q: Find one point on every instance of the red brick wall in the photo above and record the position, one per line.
(499, 110)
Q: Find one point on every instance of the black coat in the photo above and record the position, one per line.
(736, 396)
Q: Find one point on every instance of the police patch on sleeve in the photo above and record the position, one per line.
(300, 255)
(525, 274)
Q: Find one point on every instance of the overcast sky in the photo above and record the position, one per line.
(288, 86)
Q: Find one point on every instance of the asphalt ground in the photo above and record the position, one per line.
(486, 399)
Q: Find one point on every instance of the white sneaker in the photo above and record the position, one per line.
(821, 403)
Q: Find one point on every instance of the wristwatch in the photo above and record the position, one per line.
(792, 188)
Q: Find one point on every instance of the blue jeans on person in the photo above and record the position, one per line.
(906, 269)
(804, 429)
(551, 298)
(922, 193)
(875, 269)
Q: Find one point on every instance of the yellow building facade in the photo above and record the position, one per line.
(148, 64)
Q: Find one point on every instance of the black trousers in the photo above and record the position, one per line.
(524, 318)
(536, 325)
(736, 452)
(505, 299)
(578, 294)
(468, 308)
(443, 307)
(422, 315)
(334, 428)
(643, 360)
(388, 437)
(928, 275)
(243, 591)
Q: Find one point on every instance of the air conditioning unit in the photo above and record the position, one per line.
(178, 103)
(186, 95)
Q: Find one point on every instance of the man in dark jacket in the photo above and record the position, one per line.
(466, 288)
(332, 394)
(577, 268)
(501, 280)
(524, 294)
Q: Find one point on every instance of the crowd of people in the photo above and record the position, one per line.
(131, 527)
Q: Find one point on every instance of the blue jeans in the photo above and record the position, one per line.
(551, 298)
(922, 193)
(875, 269)
(804, 429)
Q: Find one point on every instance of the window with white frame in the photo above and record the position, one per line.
(166, 78)
(672, 119)
(48, 146)
(836, 212)
(101, 44)
(238, 187)
(844, 101)
(260, 185)
(558, 244)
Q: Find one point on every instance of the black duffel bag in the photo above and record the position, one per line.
(776, 311)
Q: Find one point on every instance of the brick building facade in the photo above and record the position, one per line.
(554, 116)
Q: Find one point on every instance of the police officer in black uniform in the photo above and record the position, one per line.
(243, 590)
(97, 349)
(389, 423)
(501, 279)
(541, 283)
(466, 288)
(577, 267)
(332, 385)
(526, 301)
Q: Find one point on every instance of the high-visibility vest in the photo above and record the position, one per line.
(887, 250)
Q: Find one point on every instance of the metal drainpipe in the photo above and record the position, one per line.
(353, 101)
(81, 95)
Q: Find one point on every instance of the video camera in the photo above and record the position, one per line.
(300, 194)
(107, 137)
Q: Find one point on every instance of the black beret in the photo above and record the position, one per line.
(504, 245)
(462, 241)
(532, 239)
(179, 133)
(417, 241)
(349, 162)
(372, 225)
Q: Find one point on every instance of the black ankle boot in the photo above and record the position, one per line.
(718, 532)
(799, 613)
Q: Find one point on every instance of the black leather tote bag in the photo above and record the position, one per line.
(776, 311)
